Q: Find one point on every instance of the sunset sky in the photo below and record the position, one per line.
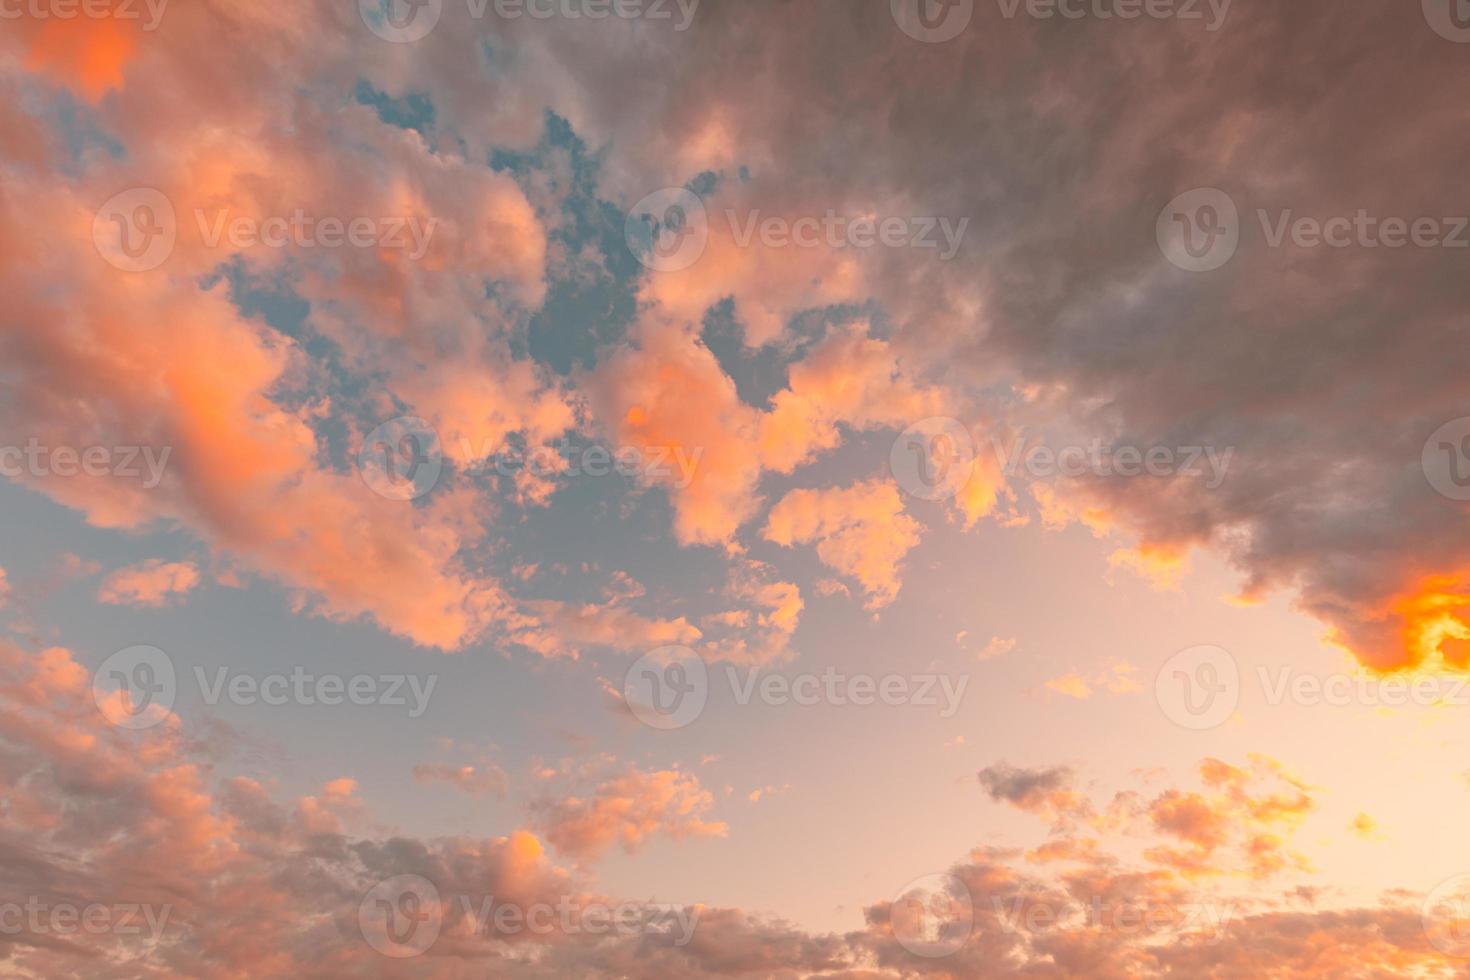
(857, 489)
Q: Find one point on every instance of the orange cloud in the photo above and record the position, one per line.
(861, 531)
(153, 583)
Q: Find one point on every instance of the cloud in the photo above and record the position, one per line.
(860, 531)
(474, 780)
(150, 584)
(628, 810)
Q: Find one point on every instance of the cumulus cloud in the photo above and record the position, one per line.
(861, 531)
(152, 583)
(628, 810)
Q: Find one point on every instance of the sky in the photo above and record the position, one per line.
(734, 488)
